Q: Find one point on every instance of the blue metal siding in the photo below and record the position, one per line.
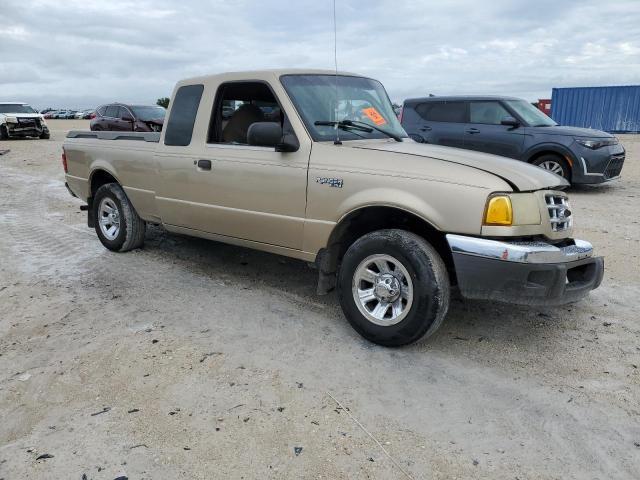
(612, 109)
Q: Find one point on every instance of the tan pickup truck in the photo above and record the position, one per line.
(315, 165)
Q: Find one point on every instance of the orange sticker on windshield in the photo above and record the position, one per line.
(374, 115)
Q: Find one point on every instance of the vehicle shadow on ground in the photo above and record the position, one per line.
(471, 322)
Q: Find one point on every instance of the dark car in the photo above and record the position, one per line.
(512, 127)
(132, 118)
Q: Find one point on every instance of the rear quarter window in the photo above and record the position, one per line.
(182, 117)
(449, 112)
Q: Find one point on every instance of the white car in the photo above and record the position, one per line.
(18, 119)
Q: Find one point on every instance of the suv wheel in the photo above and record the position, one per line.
(393, 287)
(554, 164)
(117, 224)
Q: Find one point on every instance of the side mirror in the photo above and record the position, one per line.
(510, 122)
(270, 134)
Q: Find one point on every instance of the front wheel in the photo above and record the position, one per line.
(554, 164)
(393, 287)
(45, 136)
(117, 224)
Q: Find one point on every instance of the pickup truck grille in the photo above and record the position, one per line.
(559, 214)
(615, 166)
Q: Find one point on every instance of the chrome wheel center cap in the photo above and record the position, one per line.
(387, 288)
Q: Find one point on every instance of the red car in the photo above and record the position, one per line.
(132, 118)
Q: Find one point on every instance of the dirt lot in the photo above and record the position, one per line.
(191, 359)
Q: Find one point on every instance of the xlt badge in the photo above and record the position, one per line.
(332, 182)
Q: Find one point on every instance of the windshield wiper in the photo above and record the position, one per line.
(356, 125)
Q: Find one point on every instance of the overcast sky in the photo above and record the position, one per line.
(79, 53)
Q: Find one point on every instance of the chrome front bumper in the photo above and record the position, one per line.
(521, 252)
(531, 273)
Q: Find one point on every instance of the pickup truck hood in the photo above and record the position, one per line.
(520, 175)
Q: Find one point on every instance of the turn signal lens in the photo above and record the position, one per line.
(498, 211)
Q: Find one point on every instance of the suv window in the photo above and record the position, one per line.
(237, 106)
(112, 111)
(450, 112)
(490, 113)
(101, 111)
(179, 128)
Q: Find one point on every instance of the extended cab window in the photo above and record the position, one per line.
(183, 115)
(449, 112)
(490, 113)
(238, 105)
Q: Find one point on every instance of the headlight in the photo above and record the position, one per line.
(596, 144)
(498, 211)
(11, 119)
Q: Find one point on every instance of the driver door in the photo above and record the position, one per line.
(227, 187)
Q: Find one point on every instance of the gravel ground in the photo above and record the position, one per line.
(191, 359)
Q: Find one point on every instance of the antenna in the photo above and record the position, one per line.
(335, 60)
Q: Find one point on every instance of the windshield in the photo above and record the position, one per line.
(530, 114)
(148, 113)
(15, 108)
(358, 99)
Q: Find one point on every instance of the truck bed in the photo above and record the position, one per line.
(153, 137)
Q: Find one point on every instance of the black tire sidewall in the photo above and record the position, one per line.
(425, 307)
(107, 191)
(566, 170)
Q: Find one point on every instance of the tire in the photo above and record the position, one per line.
(45, 136)
(4, 135)
(554, 164)
(126, 230)
(96, 128)
(421, 285)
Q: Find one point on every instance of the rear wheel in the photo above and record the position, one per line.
(117, 224)
(4, 135)
(393, 287)
(554, 164)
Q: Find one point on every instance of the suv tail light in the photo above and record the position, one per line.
(64, 161)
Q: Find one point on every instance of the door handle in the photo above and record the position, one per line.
(426, 128)
(472, 130)
(204, 164)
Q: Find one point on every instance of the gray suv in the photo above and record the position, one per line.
(514, 128)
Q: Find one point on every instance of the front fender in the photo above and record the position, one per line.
(401, 200)
(550, 147)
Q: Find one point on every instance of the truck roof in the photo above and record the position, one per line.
(262, 75)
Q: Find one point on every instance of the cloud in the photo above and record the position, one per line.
(78, 54)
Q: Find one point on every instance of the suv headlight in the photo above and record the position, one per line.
(596, 143)
(11, 119)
